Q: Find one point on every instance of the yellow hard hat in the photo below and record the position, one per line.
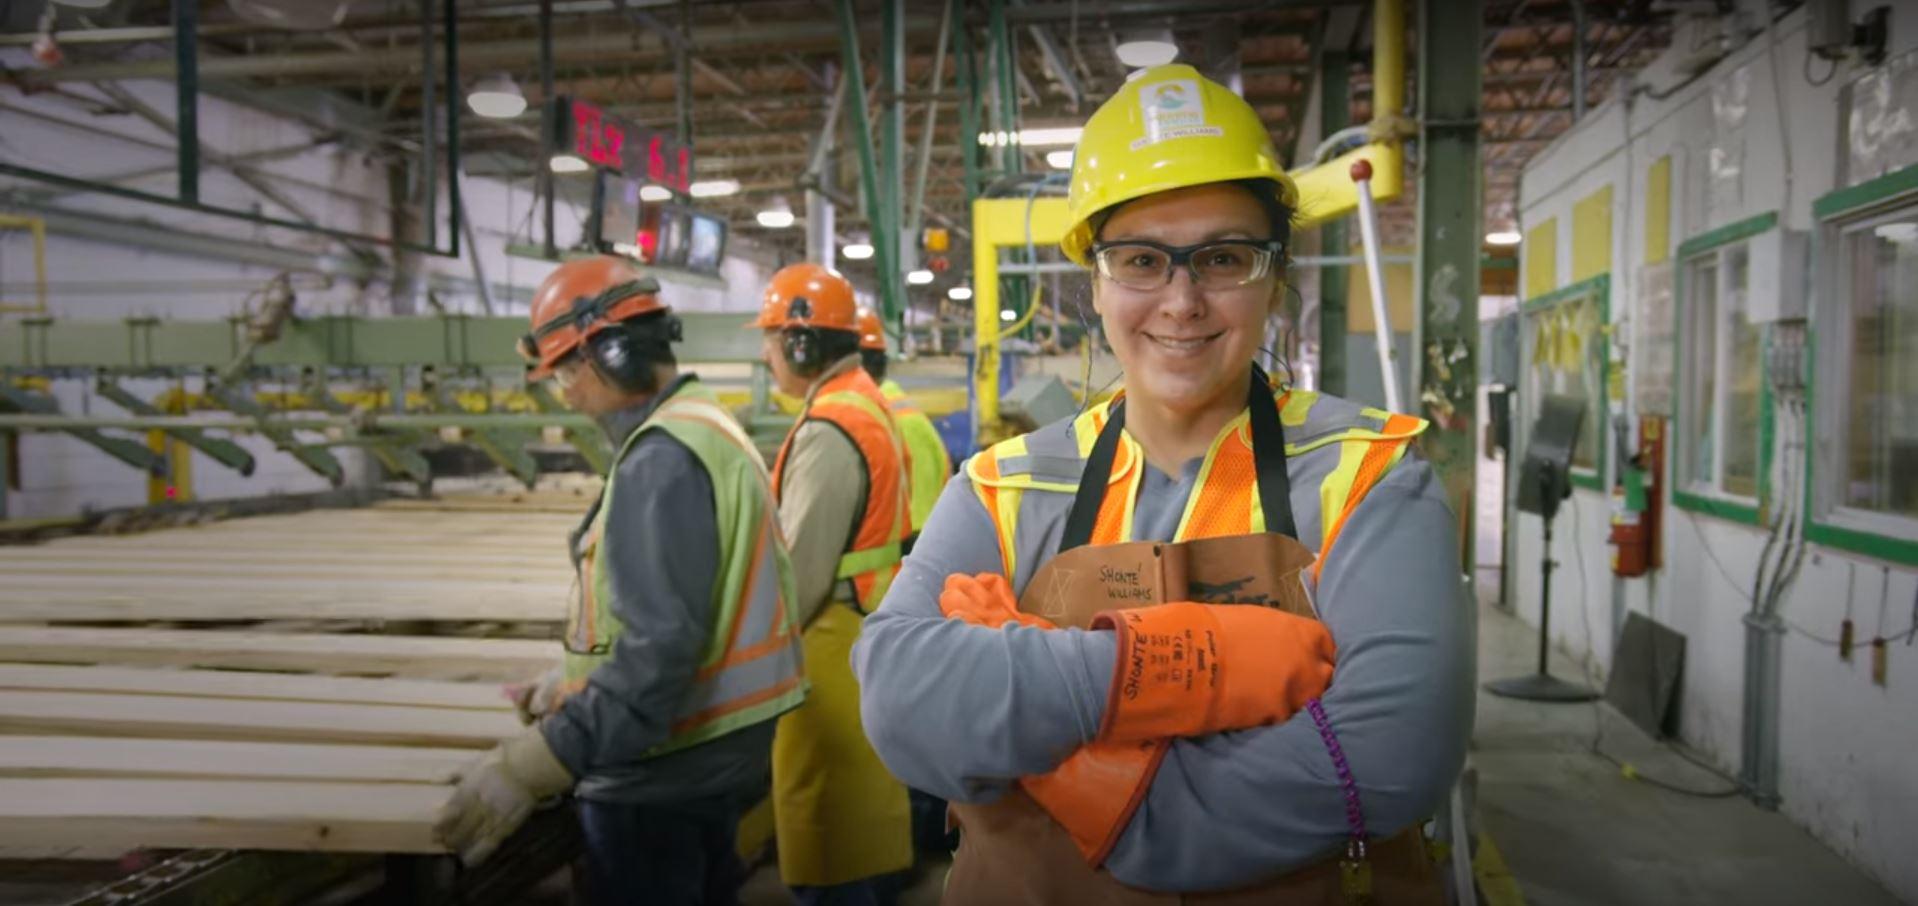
(1167, 128)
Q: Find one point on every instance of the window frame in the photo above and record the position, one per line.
(1599, 288)
(1827, 520)
(1687, 496)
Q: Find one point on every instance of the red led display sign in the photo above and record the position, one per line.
(615, 144)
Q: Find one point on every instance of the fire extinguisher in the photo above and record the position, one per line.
(1635, 508)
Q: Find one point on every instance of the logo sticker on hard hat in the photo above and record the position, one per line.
(800, 309)
(1173, 109)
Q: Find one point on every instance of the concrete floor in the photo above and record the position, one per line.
(1575, 832)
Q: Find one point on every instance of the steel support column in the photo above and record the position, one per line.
(548, 126)
(892, 80)
(1335, 113)
(862, 142)
(1445, 366)
(968, 87)
(1005, 86)
(186, 86)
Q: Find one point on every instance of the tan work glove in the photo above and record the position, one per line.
(497, 793)
(534, 700)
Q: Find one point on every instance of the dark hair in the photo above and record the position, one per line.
(874, 361)
(1264, 191)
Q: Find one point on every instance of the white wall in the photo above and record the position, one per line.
(179, 264)
(1846, 769)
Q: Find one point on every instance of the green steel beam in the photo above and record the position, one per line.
(892, 136)
(968, 75)
(450, 342)
(360, 421)
(505, 446)
(1005, 82)
(1335, 113)
(868, 169)
(319, 461)
(1450, 210)
(224, 452)
(134, 454)
(395, 452)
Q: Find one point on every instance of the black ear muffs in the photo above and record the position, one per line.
(801, 345)
(616, 355)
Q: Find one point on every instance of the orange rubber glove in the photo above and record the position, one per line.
(1094, 793)
(1188, 669)
(985, 600)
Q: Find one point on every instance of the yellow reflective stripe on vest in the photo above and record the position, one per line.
(852, 563)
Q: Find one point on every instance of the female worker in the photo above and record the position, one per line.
(1081, 769)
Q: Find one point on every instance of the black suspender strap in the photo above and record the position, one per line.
(1268, 453)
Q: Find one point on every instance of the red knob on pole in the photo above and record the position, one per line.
(1361, 170)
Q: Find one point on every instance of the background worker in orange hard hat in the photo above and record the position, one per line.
(680, 650)
(1197, 742)
(842, 821)
(927, 459)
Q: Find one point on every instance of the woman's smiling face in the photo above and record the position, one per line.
(1183, 347)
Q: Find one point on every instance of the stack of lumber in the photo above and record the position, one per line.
(311, 682)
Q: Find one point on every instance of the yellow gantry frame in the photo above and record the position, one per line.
(1326, 192)
(38, 228)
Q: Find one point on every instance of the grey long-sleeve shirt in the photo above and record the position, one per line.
(661, 548)
(961, 711)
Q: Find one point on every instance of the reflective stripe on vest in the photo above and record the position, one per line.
(750, 669)
(853, 403)
(926, 458)
(1224, 501)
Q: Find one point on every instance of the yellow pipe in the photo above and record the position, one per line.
(1388, 61)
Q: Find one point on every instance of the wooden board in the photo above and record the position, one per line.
(176, 716)
(254, 685)
(504, 660)
(173, 813)
(89, 757)
(79, 599)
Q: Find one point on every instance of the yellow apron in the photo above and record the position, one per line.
(840, 814)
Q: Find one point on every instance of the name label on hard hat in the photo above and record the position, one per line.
(1173, 109)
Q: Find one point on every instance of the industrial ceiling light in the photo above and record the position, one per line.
(778, 215)
(713, 188)
(497, 97)
(959, 293)
(1150, 47)
(919, 277)
(1007, 314)
(1033, 138)
(568, 163)
(857, 251)
(1060, 159)
(655, 192)
(1504, 237)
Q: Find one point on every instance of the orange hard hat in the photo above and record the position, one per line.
(581, 298)
(808, 295)
(872, 334)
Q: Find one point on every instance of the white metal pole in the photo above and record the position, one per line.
(1375, 280)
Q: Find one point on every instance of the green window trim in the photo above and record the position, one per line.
(1728, 234)
(1866, 194)
(1600, 287)
(1891, 549)
(1727, 508)
(1890, 190)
